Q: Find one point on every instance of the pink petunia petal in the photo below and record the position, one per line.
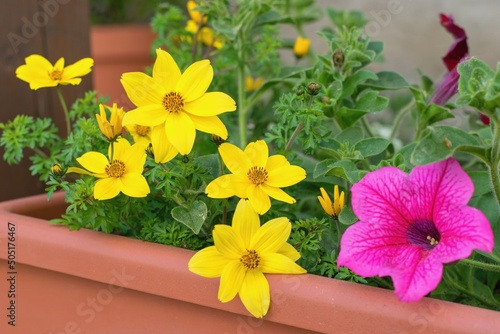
(440, 186)
(381, 197)
(462, 230)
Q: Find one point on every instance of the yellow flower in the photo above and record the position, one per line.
(175, 105)
(121, 173)
(255, 175)
(332, 208)
(195, 15)
(113, 128)
(140, 133)
(243, 253)
(205, 35)
(39, 72)
(301, 46)
(253, 84)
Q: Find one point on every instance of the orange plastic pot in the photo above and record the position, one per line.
(89, 282)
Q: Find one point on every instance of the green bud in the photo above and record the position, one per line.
(338, 59)
(313, 88)
(57, 170)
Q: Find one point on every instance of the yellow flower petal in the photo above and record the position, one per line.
(180, 131)
(271, 236)
(259, 199)
(325, 202)
(276, 161)
(59, 65)
(208, 262)
(163, 149)
(119, 149)
(78, 69)
(240, 184)
(246, 221)
(166, 71)
(148, 115)
(142, 89)
(255, 294)
(227, 242)
(194, 82)
(221, 187)
(274, 263)
(107, 188)
(258, 152)
(94, 162)
(210, 125)
(277, 193)
(134, 185)
(78, 170)
(289, 251)
(234, 159)
(231, 280)
(210, 104)
(285, 176)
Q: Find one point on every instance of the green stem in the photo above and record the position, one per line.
(40, 153)
(399, 117)
(295, 133)
(365, 126)
(65, 109)
(495, 158)
(461, 289)
(337, 225)
(242, 112)
(481, 265)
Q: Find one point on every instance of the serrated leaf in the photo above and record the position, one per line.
(192, 217)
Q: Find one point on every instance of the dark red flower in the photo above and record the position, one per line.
(459, 49)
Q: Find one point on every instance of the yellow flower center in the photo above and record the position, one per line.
(142, 130)
(250, 260)
(55, 75)
(257, 175)
(173, 102)
(115, 169)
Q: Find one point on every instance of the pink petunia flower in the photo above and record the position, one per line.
(410, 225)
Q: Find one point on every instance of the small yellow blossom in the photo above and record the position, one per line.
(111, 129)
(122, 172)
(253, 84)
(301, 46)
(195, 14)
(255, 175)
(332, 208)
(40, 73)
(243, 253)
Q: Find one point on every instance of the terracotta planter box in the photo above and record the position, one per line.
(89, 282)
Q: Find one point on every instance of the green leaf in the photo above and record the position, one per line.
(211, 163)
(347, 216)
(442, 141)
(351, 135)
(194, 217)
(371, 146)
(433, 113)
(351, 83)
(344, 169)
(482, 183)
(368, 102)
(387, 80)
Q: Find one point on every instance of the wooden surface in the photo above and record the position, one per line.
(53, 29)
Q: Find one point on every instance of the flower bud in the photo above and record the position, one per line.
(57, 170)
(338, 58)
(313, 88)
(217, 140)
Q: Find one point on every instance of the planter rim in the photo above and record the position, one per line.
(330, 305)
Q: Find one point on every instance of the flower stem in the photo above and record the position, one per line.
(495, 158)
(337, 225)
(295, 133)
(481, 265)
(399, 117)
(65, 109)
(242, 111)
(461, 289)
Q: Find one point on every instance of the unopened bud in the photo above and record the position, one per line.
(57, 170)
(313, 88)
(338, 58)
(217, 140)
